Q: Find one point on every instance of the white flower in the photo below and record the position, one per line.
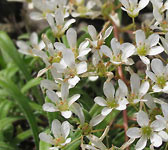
(26, 49)
(147, 46)
(60, 133)
(132, 7)
(83, 48)
(162, 22)
(138, 89)
(86, 127)
(47, 6)
(62, 104)
(159, 77)
(164, 121)
(49, 84)
(58, 24)
(86, 10)
(69, 68)
(96, 143)
(147, 131)
(97, 42)
(114, 100)
(120, 53)
(158, 9)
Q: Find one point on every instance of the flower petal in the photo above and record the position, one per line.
(156, 140)
(49, 107)
(142, 118)
(105, 111)
(46, 138)
(109, 90)
(92, 32)
(157, 125)
(157, 66)
(135, 83)
(144, 88)
(52, 96)
(96, 120)
(140, 37)
(56, 128)
(155, 50)
(81, 67)
(64, 90)
(65, 129)
(66, 114)
(73, 99)
(100, 101)
(133, 132)
(141, 143)
(71, 37)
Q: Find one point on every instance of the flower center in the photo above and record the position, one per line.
(63, 105)
(161, 81)
(117, 58)
(142, 50)
(132, 97)
(112, 103)
(59, 141)
(146, 131)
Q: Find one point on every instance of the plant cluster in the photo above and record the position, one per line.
(130, 104)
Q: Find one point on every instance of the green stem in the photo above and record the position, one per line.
(134, 25)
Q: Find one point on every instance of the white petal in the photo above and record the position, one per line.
(100, 101)
(156, 140)
(59, 17)
(66, 114)
(108, 89)
(115, 45)
(150, 102)
(151, 75)
(122, 104)
(156, 88)
(153, 40)
(73, 99)
(68, 23)
(106, 50)
(141, 143)
(123, 87)
(157, 15)
(96, 120)
(78, 111)
(124, 3)
(165, 110)
(135, 83)
(84, 52)
(128, 50)
(108, 32)
(69, 58)
(68, 140)
(144, 88)
(140, 37)
(59, 46)
(142, 4)
(59, 67)
(145, 60)
(157, 66)
(157, 125)
(73, 81)
(92, 32)
(142, 118)
(36, 16)
(81, 67)
(46, 138)
(49, 107)
(65, 128)
(64, 90)
(71, 37)
(56, 128)
(105, 111)
(52, 96)
(163, 135)
(22, 45)
(34, 38)
(156, 50)
(133, 132)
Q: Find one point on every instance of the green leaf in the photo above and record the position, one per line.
(6, 146)
(22, 136)
(22, 101)
(44, 145)
(9, 48)
(6, 121)
(5, 107)
(30, 84)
